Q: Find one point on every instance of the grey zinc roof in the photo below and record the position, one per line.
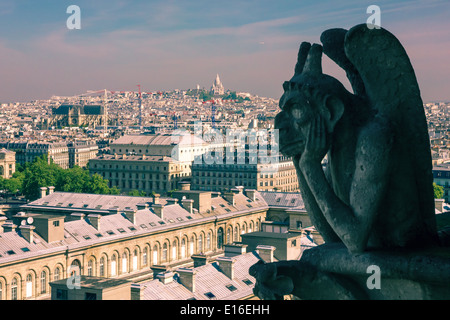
(86, 202)
(283, 199)
(159, 139)
(208, 278)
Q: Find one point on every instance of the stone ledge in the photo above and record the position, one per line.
(419, 274)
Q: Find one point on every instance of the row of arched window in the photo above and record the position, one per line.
(118, 262)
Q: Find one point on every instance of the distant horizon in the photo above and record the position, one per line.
(168, 45)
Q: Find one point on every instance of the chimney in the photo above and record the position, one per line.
(76, 216)
(156, 198)
(43, 191)
(142, 206)
(51, 190)
(131, 215)
(113, 210)
(165, 277)
(2, 221)
(27, 232)
(94, 220)
(234, 249)
(137, 291)
(199, 260)
(226, 264)
(158, 209)
(188, 205)
(251, 194)
(240, 189)
(229, 196)
(19, 217)
(439, 204)
(187, 278)
(172, 201)
(184, 185)
(157, 269)
(266, 252)
(8, 226)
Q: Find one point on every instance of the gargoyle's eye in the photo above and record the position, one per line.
(286, 85)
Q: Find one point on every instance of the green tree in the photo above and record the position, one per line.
(137, 193)
(39, 174)
(438, 191)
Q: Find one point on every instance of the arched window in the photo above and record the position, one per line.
(228, 239)
(14, 289)
(219, 238)
(250, 227)
(102, 267)
(145, 256)
(174, 250)
(236, 233)
(57, 274)
(191, 246)
(208, 241)
(29, 286)
(75, 268)
(1, 291)
(113, 265)
(183, 248)
(200, 243)
(164, 252)
(124, 263)
(90, 268)
(135, 260)
(43, 282)
(155, 254)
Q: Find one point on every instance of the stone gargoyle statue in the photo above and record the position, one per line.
(376, 193)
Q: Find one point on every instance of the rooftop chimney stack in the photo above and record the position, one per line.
(439, 204)
(9, 226)
(137, 291)
(199, 260)
(187, 278)
(251, 194)
(165, 277)
(226, 264)
(43, 192)
(76, 216)
(27, 232)
(131, 215)
(229, 196)
(94, 219)
(172, 201)
(51, 189)
(158, 209)
(2, 221)
(188, 205)
(266, 252)
(142, 206)
(156, 198)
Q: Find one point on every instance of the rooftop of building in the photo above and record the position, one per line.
(165, 139)
(211, 282)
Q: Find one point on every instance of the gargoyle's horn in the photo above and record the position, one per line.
(313, 64)
(301, 58)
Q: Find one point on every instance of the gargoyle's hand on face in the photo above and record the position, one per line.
(316, 146)
(270, 285)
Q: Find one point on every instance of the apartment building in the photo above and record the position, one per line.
(80, 152)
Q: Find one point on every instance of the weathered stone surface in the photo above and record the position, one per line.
(375, 200)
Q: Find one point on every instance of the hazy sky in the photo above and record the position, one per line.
(164, 45)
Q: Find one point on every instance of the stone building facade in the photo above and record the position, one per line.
(62, 235)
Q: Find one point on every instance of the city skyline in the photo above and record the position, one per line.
(165, 45)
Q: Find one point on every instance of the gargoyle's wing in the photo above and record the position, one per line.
(384, 67)
(393, 92)
(333, 46)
